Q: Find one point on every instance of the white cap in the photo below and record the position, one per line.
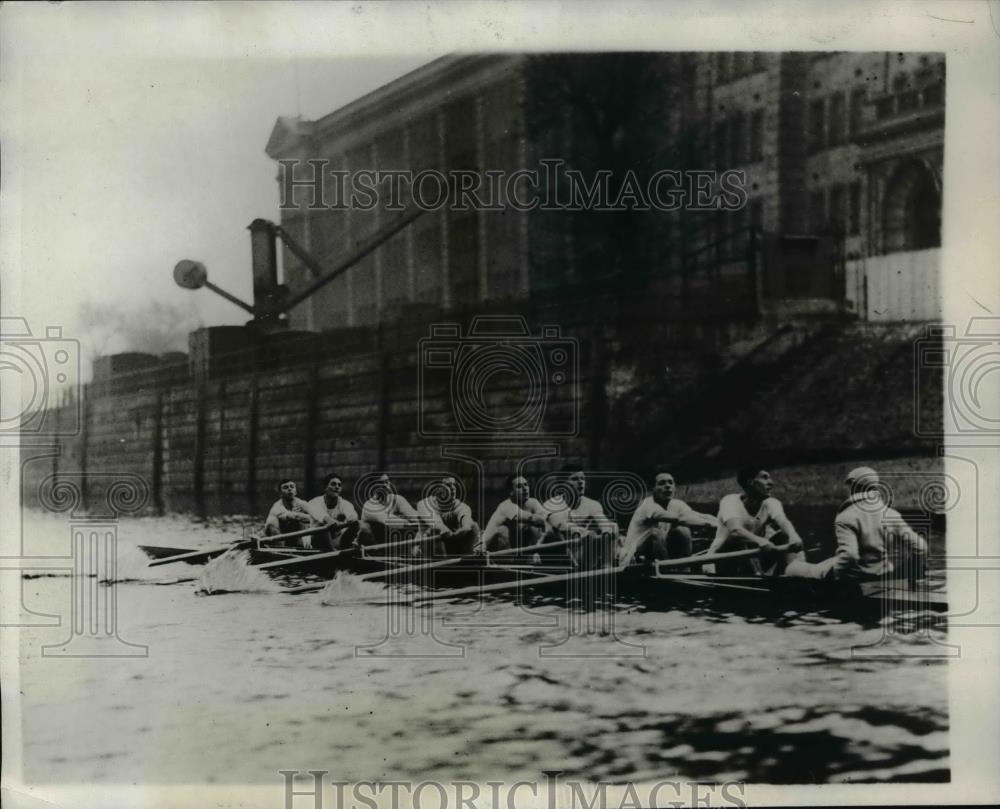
(862, 473)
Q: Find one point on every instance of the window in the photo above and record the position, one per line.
(363, 286)
(817, 125)
(737, 142)
(757, 135)
(741, 238)
(933, 94)
(424, 144)
(722, 67)
(835, 129)
(854, 217)
(739, 64)
(721, 144)
(837, 212)
(817, 212)
(757, 214)
(395, 277)
(460, 134)
(427, 258)
(907, 97)
(759, 62)
(463, 258)
(857, 109)
(885, 106)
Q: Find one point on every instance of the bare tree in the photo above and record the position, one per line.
(623, 113)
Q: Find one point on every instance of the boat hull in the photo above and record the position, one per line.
(638, 584)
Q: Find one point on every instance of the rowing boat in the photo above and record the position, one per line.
(653, 586)
(662, 584)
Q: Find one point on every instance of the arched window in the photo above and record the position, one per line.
(912, 209)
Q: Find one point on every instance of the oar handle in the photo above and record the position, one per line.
(316, 529)
(539, 546)
(705, 558)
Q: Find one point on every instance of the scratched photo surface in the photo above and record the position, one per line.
(462, 416)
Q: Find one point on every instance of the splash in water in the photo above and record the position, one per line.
(131, 565)
(346, 588)
(233, 573)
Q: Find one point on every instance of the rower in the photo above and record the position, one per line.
(573, 515)
(518, 521)
(661, 525)
(755, 519)
(868, 532)
(333, 509)
(450, 518)
(289, 513)
(387, 516)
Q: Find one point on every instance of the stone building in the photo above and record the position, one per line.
(842, 154)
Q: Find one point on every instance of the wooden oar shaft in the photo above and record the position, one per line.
(316, 529)
(208, 553)
(185, 557)
(578, 575)
(310, 588)
(335, 554)
(513, 585)
(539, 546)
(705, 558)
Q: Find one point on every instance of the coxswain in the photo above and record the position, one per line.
(869, 533)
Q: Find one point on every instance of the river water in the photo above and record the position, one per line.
(240, 685)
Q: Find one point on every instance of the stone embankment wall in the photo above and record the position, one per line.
(632, 391)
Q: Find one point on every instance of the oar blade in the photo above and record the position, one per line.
(195, 557)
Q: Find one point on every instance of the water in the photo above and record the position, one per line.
(237, 686)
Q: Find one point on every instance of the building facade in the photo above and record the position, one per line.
(842, 155)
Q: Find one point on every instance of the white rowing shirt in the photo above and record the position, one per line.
(457, 517)
(586, 515)
(644, 521)
(337, 515)
(288, 519)
(509, 512)
(764, 523)
(396, 506)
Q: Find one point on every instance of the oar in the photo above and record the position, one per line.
(310, 588)
(334, 554)
(160, 552)
(514, 585)
(578, 575)
(193, 557)
(537, 547)
(705, 558)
